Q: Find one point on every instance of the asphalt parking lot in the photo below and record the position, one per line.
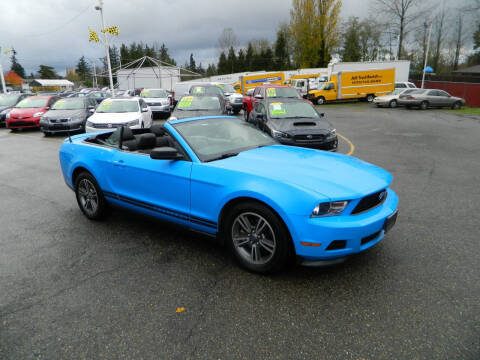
(75, 289)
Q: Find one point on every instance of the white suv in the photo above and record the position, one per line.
(159, 100)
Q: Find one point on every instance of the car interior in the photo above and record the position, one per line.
(143, 141)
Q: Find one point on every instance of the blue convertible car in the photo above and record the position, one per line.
(221, 176)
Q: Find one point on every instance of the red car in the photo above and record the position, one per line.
(267, 91)
(27, 113)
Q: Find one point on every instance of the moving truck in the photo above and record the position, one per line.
(354, 85)
(252, 81)
(306, 82)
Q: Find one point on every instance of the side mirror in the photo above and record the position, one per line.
(227, 94)
(47, 108)
(145, 109)
(170, 96)
(258, 96)
(259, 117)
(165, 153)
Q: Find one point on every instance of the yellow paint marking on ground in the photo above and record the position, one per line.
(352, 147)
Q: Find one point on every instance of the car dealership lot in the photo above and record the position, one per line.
(72, 288)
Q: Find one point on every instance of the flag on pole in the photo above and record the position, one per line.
(112, 30)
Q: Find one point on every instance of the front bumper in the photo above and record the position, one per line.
(358, 232)
(160, 108)
(89, 129)
(61, 127)
(23, 123)
(329, 142)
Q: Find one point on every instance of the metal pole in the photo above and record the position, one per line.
(426, 55)
(4, 87)
(107, 47)
(95, 85)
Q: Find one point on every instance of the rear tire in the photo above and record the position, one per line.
(424, 105)
(245, 114)
(457, 105)
(393, 104)
(370, 97)
(257, 237)
(90, 197)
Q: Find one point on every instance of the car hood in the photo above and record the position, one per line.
(27, 112)
(301, 126)
(182, 114)
(114, 118)
(62, 114)
(330, 175)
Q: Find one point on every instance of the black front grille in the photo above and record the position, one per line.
(337, 245)
(309, 137)
(59, 120)
(369, 238)
(106, 126)
(370, 201)
(22, 123)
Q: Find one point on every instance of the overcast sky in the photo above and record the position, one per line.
(55, 32)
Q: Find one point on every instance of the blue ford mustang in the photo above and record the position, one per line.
(221, 176)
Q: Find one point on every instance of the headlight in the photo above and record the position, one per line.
(279, 134)
(89, 124)
(133, 123)
(44, 118)
(333, 132)
(329, 208)
(8, 115)
(40, 113)
(165, 102)
(4, 112)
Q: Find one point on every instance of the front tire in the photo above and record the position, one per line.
(457, 105)
(90, 197)
(320, 100)
(257, 237)
(393, 104)
(245, 114)
(424, 105)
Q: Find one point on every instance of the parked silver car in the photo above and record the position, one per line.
(426, 98)
(391, 99)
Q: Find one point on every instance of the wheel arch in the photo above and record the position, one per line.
(77, 171)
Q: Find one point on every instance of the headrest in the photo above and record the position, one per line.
(146, 141)
(157, 129)
(127, 133)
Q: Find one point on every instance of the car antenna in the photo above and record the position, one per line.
(69, 138)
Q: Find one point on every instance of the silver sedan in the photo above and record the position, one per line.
(426, 98)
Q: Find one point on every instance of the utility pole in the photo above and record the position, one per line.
(107, 47)
(4, 87)
(95, 85)
(426, 54)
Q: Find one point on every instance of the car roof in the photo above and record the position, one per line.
(174, 122)
(274, 86)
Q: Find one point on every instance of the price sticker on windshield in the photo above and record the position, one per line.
(145, 93)
(105, 105)
(277, 108)
(271, 92)
(185, 102)
(60, 102)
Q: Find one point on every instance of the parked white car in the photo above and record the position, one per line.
(390, 100)
(158, 100)
(405, 85)
(116, 112)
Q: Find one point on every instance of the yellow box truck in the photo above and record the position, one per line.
(354, 85)
(251, 81)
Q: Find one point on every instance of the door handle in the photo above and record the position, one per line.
(119, 163)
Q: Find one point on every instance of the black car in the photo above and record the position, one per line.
(69, 114)
(294, 122)
(199, 105)
(99, 96)
(7, 102)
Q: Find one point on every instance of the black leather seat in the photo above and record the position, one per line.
(157, 129)
(128, 139)
(146, 141)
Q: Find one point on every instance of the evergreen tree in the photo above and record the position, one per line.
(16, 65)
(249, 57)
(83, 70)
(351, 41)
(163, 55)
(192, 66)
(231, 60)
(47, 72)
(211, 70)
(241, 61)
(267, 59)
(282, 59)
(222, 67)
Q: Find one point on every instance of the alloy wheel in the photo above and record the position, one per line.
(88, 197)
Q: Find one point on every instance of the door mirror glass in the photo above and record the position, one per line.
(145, 109)
(258, 96)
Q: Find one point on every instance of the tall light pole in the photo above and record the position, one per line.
(107, 47)
(426, 54)
(4, 87)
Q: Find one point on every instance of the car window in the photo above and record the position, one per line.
(329, 87)
(259, 108)
(291, 109)
(286, 92)
(196, 103)
(433, 93)
(443, 93)
(109, 106)
(411, 85)
(400, 86)
(32, 102)
(256, 91)
(69, 104)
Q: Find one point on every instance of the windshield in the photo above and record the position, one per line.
(226, 88)
(69, 104)
(206, 90)
(8, 100)
(153, 93)
(32, 102)
(293, 109)
(212, 139)
(281, 93)
(195, 103)
(109, 106)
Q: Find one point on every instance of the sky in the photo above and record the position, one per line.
(55, 32)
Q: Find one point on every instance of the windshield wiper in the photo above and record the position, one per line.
(223, 156)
